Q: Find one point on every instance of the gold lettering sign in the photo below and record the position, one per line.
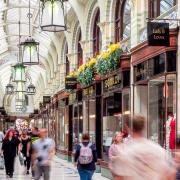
(88, 91)
(112, 82)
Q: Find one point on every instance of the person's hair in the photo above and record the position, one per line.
(85, 137)
(7, 134)
(115, 137)
(36, 128)
(138, 123)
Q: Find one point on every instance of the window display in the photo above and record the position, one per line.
(162, 111)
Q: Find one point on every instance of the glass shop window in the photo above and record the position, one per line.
(140, 71)
(171, 61)
(112, 120)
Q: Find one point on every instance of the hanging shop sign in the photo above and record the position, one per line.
(46, 99)
(89, 92)
(158, 34)
(70, 83)
(72, 98)
(112, 83)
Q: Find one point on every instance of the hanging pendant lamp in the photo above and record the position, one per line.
(19, 72)
(9, 89)
(52, 16)
(31, 89)
(20, 87)
(30, 48)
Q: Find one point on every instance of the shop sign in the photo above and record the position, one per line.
(112, 83)
(46, 99)
(72, 98)
(70, 83)
(140, 72)
(158, 34)
(89, 92)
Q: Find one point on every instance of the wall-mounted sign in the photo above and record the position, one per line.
(89, 91)
(46, 99)
(70, 83)
(158, 34)
(112, 83)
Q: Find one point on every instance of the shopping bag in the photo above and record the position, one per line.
(1, 162)
(21, 159)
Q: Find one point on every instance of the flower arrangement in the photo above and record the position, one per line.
(86, 72)
(104, 63)
(108, 60)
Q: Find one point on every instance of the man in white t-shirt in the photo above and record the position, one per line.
(43, 151)
(141, 159)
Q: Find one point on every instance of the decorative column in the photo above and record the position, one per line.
(105, 32)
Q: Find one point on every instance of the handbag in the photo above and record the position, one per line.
(1, 162)
(21, 159)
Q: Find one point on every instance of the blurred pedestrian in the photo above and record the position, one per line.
(34, 136)
(25, 142)
(1, 139)
(9, 148)
(142, 159)
(177, 158)
(114, 152)
(86, 157)
(43, 152)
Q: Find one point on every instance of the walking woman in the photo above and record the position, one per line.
(113, 153)
(86, 157)
(9, 149)
(25, 143)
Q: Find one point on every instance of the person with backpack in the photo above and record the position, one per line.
(86, 157)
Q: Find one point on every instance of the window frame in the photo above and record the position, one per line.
(79, 50)
(67, 61)
(153, 14)
(96, 34)
(119, 12)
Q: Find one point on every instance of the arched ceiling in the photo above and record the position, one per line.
(11, 12)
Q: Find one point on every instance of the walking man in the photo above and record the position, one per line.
(43, 152)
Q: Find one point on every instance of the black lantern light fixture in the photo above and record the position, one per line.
(19, 72)
(10, 87)
(52, 15)
(31, 89)
(30, 48)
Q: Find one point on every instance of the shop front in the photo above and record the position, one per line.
(116, 102)
(155, 91)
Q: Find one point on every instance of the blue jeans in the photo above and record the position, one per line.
(85, 174)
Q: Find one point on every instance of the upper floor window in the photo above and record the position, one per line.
(97, 39)
(158, 7)
(79, 49)
(67, 61)
(122, 20)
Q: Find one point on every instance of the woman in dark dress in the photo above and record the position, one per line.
(9, 149)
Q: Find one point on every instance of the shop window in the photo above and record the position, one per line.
(112, 120)
(97, 39)
(157, 65)
(80, 52)
(171, 61)
(158, 7)
(26, 100)
(162, 111)
(126, 78)
(140, 71)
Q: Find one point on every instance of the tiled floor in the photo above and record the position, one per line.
(61, 170)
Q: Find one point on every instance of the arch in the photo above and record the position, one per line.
(90, 12)
(75, 32)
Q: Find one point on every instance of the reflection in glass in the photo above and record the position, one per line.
(127, 19)
(165, 5)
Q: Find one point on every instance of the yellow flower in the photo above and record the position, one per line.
(92, 62)
(75, 73)
(105, 55)
(81, 68)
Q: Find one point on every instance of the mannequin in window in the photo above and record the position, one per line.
(169, 119)
(172, 137)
